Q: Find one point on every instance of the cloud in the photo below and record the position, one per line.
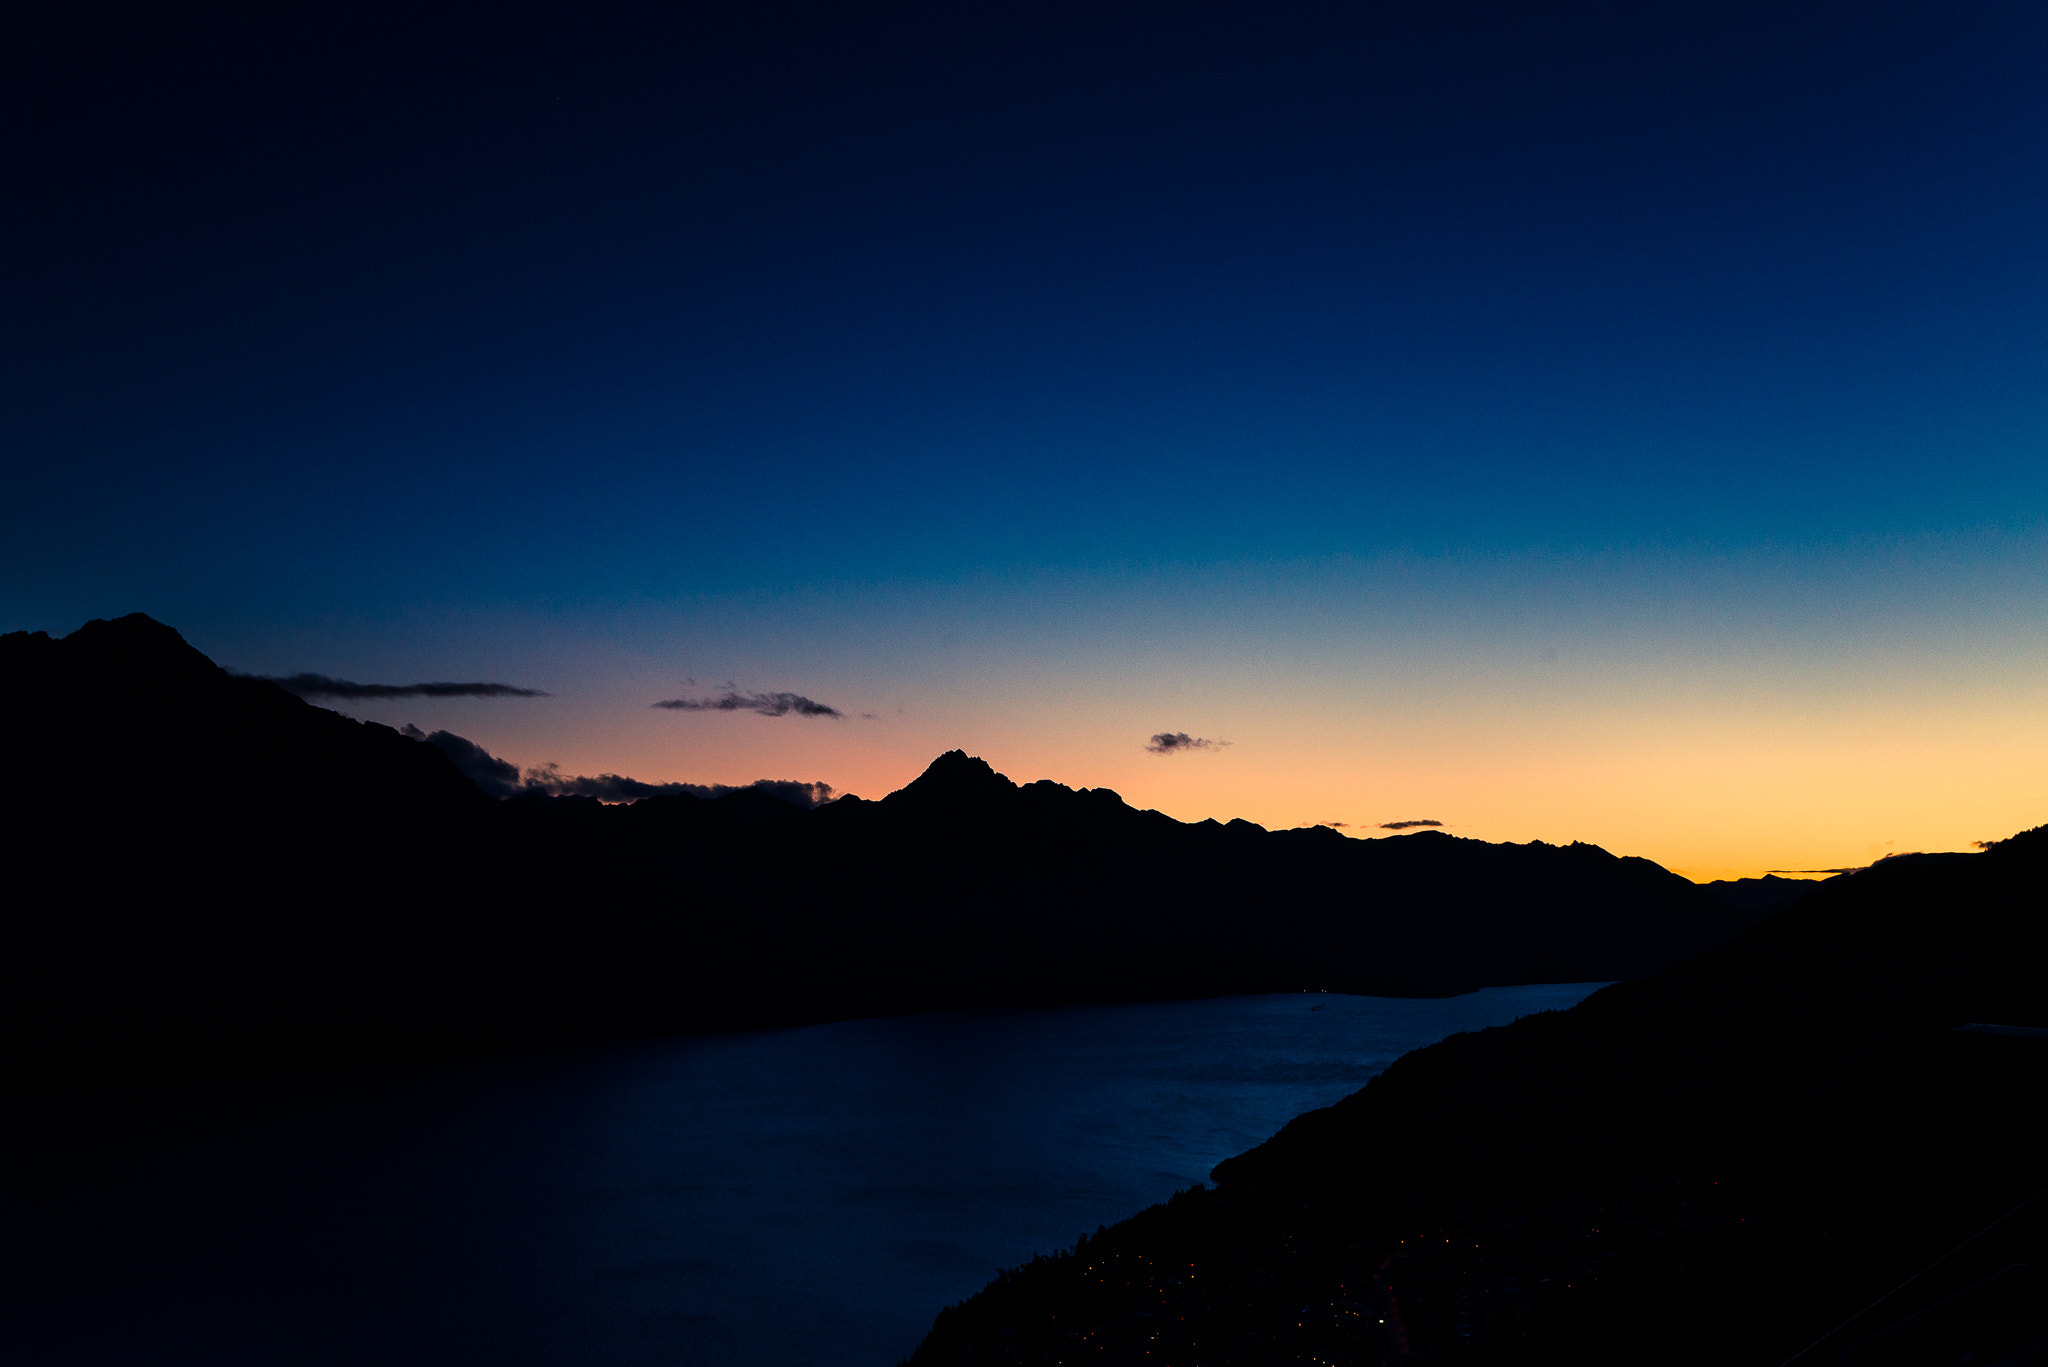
(766, 704)
(618, 788)
(1333, 825)
(1175, 742)
(501, 778)
(320, 686)
(498, 777)
(1405, 825)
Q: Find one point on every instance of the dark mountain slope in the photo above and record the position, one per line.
(1717, 1163)
(205, 872)
(200, 865)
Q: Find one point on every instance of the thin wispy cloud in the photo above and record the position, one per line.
(761, 704)
(1408, 825)
(1178, 742)
(320, 686)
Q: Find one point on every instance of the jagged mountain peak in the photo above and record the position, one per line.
(955, 778)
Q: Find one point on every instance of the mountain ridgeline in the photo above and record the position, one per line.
(207, 873)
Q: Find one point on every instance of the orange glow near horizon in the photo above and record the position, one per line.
(1723, 719)
(1723, 800)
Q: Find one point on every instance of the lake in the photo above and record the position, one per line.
(809, 1196)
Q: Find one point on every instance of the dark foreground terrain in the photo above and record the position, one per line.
(205, 873)
(1736, 1160)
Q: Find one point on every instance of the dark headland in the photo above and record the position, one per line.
(206, 873)
(1821, 1142)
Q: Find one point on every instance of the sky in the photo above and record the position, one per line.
(1621, 423)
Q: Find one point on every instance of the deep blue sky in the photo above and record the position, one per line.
(561, 306)
(343, 318)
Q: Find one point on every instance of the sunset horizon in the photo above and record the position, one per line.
(1561, 424)
(934, 683)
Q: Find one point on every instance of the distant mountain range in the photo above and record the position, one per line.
(207, 873)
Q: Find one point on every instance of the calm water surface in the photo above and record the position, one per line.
(803, 1196)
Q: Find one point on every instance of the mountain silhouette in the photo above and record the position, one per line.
(1823, 1134)
(208, 873)
(955, 785)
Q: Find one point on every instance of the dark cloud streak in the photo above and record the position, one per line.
(1405, 825)
(1176, 742)
(320, 686)
(763, 704)
(618, 788)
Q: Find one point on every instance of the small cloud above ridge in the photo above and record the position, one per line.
(1408, 825)
(500, 778)
(761, 704)
(551, 780)
(1177, 742)
(497, 777)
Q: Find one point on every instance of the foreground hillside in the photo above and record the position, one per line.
(1727, 1162)
(207, 873)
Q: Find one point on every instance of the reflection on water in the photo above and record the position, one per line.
(798, 1196)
